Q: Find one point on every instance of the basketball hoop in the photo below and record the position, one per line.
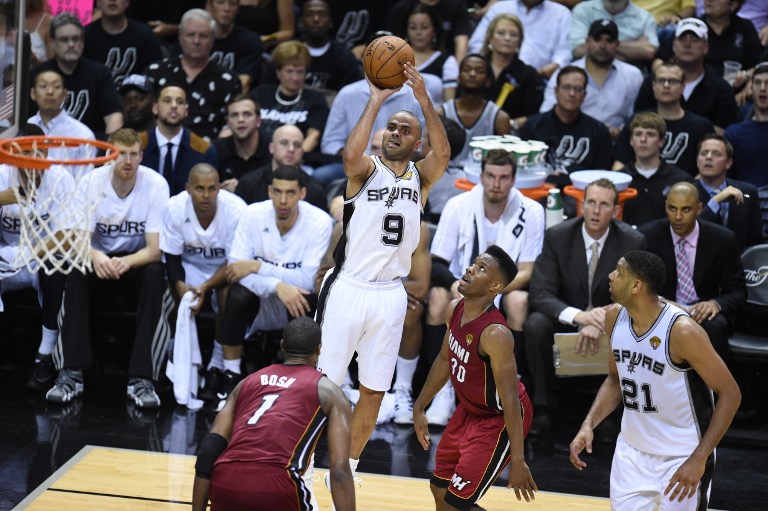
(53, 221)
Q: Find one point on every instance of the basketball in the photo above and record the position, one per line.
(384, 59)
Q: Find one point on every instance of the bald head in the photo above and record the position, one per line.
(683, 207)
(202, 170)
(287, 146)
(684, 189)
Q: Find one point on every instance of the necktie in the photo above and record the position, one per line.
(168, 164)
(686, 292)
(594, 256)
(722, 212)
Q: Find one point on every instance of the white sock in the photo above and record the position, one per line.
(48, 341)
(348, 380)
(232, 365)
(217, 357)
(353, 465)
(404, 371)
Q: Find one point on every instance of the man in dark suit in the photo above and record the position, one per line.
(170, 148)
(561, 298)
(704, 271)
(728, 202)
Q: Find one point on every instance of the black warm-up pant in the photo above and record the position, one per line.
(51, 291)
(147, 287)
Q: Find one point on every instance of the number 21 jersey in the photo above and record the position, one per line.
(381, 225)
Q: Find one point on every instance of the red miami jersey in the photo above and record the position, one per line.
(277, 419)
(471, 373)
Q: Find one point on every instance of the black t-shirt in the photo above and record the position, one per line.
(333, 69)
(712, 98)
(739, 42)
(452, 14)
(91, 93)
(357, 20)
(523, 88)
(168, 11)
(651, 193)
(207, 95)
(307, 110)
(584, 144)
(262, 20)
(240, 52)
(125, 53)
(254, 187)
(681, 141)
(233, 166)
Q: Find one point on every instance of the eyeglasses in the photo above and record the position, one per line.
(572, 88)
(667, 81)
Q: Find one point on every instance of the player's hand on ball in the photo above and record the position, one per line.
(685, 480)
(421, 425)
(582, 441)
(415, 81)
(521, 480)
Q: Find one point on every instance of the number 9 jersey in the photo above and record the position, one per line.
(381, 225)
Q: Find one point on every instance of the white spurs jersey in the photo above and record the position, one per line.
(667, 408)
(119, 224)
(56, 184)
(292, 258)
(381, 225)
(203, 249)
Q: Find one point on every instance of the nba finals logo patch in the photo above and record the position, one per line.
(408, 175)
(655, 342)
(469, 339)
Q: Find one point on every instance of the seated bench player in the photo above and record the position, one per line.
(198, 227)
(126, 260)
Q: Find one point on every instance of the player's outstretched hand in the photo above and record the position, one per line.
(415, 81)
(521, 480)
(685, 480)
(293, 299)
(582, 441)
(421, 425)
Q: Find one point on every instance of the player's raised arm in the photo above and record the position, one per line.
(336, 407)
(357, 165)
(497, 342)
(689, 343)
(433, 166)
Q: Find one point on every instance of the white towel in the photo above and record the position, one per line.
(183, 369)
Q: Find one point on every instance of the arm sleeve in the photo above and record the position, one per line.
(446, 239)
(174, 268)
(534, 235)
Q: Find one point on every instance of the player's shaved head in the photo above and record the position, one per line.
(301, 337)
(202, 169)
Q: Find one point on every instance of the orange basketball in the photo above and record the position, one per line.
(384, 59)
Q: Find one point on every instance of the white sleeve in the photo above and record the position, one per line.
(562, 55)
(534, 234)
(445, 243)
(549, 94)
(157, 204)
(241, 248)
(171, 240)
(478, 36)
(450, 72)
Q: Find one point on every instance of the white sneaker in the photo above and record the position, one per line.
(309, 477)
(387, 408)
(403, 405)
(442, 407)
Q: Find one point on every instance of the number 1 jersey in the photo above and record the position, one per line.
(277, 418)
(381, 225)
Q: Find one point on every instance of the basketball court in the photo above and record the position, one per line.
(122, 479)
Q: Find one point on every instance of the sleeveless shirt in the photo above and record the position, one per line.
(667, 408)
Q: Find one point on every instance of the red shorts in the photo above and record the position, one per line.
(473, 451)
(251, 487)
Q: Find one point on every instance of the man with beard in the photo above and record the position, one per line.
(170, 148)
(493, 213)
(246, 150)
(137, 95)
(613, 85)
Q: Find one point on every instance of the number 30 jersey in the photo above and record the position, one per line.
(277, 418)
(667, 408)
(381, 225)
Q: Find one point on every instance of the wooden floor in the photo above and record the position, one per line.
(106, 479)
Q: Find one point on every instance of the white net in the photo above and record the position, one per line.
(51, 219)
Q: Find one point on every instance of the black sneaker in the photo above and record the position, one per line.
(228, 384)
(212, 386)
(68, 386)
(142, 392)
(43, 373)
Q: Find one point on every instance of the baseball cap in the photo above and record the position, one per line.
(694, 25)
(140, 82)
(603, 26)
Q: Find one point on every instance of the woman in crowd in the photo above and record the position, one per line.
(425, 35)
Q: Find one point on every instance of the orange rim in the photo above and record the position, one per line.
(10, 151)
